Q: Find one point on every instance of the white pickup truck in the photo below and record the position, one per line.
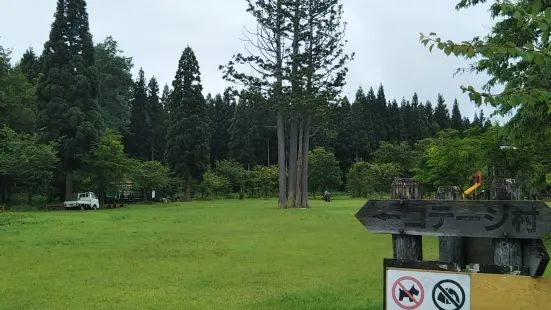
(84, 201)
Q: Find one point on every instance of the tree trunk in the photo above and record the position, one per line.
(29, 196)
(3, 195)
(69, 185)
(298, 192)
(188, 187)
(305, 147)
(9, 193)
(292, 164)
(152, 149)
(279, 102)
(281, 160)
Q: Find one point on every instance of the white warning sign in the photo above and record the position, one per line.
(425, 290)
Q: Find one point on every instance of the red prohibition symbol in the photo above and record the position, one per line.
(417, 301)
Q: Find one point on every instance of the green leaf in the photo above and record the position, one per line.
(457, 50)
(515, 99)
(528, 56)
(517, 15)
(536, 7)
(548, 12)
(539, 59)
(447, 50)
(431, 47)
(470, 52)
(441, 46)
(512, 51)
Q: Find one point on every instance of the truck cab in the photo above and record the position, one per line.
(83, 201)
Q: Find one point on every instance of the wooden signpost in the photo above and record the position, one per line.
(520, 223)
(461, 218)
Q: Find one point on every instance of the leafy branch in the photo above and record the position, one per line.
(535, 17)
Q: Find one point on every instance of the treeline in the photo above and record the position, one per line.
(75, 119)
(242, 130)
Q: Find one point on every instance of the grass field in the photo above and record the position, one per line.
(224, 254)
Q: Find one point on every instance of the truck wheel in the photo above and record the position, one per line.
(82, 208)
(94, 207)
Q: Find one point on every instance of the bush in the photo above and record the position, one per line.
(365, 179)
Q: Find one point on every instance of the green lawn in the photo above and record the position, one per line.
(225, 254)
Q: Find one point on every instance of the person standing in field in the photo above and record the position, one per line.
(327, 196)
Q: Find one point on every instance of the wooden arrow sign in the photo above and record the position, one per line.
(464, 218)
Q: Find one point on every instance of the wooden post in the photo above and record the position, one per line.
(507, 252)
(452, 249)
(408, 247)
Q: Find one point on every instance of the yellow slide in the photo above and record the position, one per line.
(477, 184)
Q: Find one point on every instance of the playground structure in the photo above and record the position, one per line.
(477, 176)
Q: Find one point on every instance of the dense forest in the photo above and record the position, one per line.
(75, 119)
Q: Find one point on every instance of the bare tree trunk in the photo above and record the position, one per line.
(188, 187)
(292, 163)
(295, 96)
(298, 200)
(281, 160)
(69, 185)
(279, 101)
(305, 147)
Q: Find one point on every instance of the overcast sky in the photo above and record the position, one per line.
(383, 34)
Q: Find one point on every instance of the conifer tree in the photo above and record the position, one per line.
(242, 132)
(223, 109)
(137, 141)
(268, 74)
(361, 124)
(395, 122)
(156, 121)
(376, 119)
(382, 113)
(116, 83)
(165, 101)
(30, 65)
(441, 113)
(68, 89)
(188, 139)
(456, 119)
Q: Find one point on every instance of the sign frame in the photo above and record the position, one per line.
(415, 264)
(461, 218)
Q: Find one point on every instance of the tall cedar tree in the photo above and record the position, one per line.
(323, 73)
(395, 122)
(456, 121)
(116, 83)
(138, 141)
(156, 121)
(188, 143)
(30, 65)
(441, 113)
(267, 64)
(68, 89)
(222, 111)
(165, 101)
(382, 112)
(243, 132)
(361, 127)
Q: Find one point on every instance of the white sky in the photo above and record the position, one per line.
(383, 34)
